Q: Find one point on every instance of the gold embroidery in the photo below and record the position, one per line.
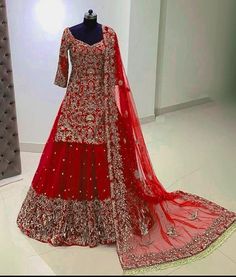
(171, 231)
(82, 114)
(66, 222)
(120, 82)
(184, 260)
(194, 215)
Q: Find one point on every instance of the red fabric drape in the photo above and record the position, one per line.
(153, 226)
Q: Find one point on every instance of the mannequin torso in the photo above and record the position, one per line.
(89, 31)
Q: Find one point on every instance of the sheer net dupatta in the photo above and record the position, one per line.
(154, 228)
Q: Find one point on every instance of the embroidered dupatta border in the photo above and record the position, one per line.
(122, 219)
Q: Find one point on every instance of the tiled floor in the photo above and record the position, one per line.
(193, 150)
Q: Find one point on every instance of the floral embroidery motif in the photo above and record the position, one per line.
(171, 231)
(194, 215)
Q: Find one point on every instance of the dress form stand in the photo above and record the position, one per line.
(89, 31)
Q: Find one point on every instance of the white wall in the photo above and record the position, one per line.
(35, 31)
(197, 56)
(188, 55)
(142, 59)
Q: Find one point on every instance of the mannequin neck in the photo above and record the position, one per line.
(89, 31)
(90, 23)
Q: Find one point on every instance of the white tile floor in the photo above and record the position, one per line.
(193, 150)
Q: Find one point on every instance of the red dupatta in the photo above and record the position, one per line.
(154, 228)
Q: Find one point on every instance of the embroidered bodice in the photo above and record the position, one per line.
(82, 113)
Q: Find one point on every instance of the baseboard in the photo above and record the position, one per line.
(147, 119)
(38, 147)
(10, 180)
(181, 106)
(31, 147)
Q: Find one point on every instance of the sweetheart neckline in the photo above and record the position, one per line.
(85, 43)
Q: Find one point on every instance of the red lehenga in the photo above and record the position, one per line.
(95, 183)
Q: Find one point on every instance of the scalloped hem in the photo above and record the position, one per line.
(213, 246)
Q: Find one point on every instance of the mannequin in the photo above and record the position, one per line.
(89, 31)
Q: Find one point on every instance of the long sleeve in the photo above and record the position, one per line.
(61, 77)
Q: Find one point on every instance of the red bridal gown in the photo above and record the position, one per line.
(95, 183)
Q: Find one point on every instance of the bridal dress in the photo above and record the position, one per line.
(95, 183)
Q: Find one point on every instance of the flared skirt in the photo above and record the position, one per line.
(69, 200)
